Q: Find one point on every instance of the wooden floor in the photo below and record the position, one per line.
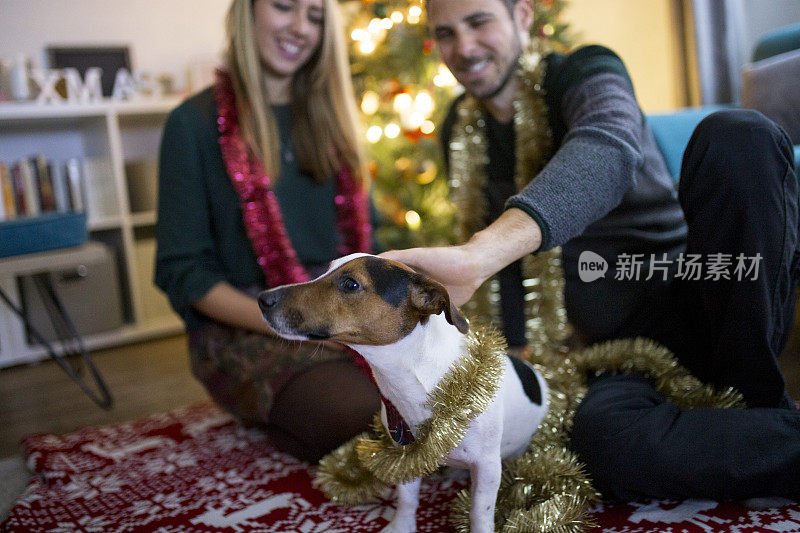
(144, 378)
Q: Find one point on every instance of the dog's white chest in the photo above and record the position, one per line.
(512, 414)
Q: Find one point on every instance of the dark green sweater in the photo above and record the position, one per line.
(200, 235)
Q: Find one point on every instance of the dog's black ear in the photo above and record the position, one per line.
(429, 297)
(455, 317)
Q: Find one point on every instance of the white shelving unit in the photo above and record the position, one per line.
(113, 134)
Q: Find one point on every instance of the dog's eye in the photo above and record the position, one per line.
(349, 285)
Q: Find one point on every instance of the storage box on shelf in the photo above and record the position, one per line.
(88, 287)
(27, 235)
(118, 141)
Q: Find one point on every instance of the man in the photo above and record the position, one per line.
(605, 190)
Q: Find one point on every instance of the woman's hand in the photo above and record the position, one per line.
(228, 305)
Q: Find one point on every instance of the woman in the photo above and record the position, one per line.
(260, 186)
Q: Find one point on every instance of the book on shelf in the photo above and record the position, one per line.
(31, 189)
(35, 185)
(18, 189)
(44, 182)
(75, 184)
(58, 175)
(7, 203)
(26, 194)
(100, 190)
(7, 193)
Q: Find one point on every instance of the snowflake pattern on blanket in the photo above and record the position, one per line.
(195, 470)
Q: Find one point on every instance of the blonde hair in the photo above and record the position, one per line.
(325, 127)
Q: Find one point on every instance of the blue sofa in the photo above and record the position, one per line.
(779, 41)
(673, 130)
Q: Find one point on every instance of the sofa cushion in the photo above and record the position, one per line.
(777, 42)
(673, 131)
(772, 86)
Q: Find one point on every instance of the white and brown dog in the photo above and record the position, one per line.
(405, 327)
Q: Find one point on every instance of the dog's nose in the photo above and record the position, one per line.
(268, 300)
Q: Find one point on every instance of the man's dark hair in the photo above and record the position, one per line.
(508, 3)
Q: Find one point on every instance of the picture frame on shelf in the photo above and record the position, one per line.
(110, 58)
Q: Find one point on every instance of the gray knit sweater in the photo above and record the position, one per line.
(606, 190)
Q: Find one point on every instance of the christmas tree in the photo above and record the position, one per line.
(548, 24)
(404, 91)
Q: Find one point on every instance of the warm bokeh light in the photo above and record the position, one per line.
(423, 103)
(370, 102)
(427, 127)
(397, 17)
(358, 34)
(374, 134)
(428, 173)
(443, 77)
(413, 220)
(366, 46)
(375, 26)
(403, 164)
(402, 102)
(415, 120)
(391, 130)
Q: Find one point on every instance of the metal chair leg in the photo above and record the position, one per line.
(71, 341)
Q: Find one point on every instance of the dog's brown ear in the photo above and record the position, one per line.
(455, 317)
(429, 297)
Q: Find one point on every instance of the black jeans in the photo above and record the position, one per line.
(739, 194)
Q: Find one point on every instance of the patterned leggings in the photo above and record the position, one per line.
(309, 398)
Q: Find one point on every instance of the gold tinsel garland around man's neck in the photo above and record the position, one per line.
(546, 324)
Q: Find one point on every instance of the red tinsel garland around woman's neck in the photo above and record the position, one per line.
(260, 210)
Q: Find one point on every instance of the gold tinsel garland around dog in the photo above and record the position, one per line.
(462, 394)
(546, 489)
(546, 325)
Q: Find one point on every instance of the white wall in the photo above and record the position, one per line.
(643, 34)
(168, 35)
(761, 16)
(164, 36)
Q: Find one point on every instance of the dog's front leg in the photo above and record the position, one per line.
(485, 475)
(405, 518)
